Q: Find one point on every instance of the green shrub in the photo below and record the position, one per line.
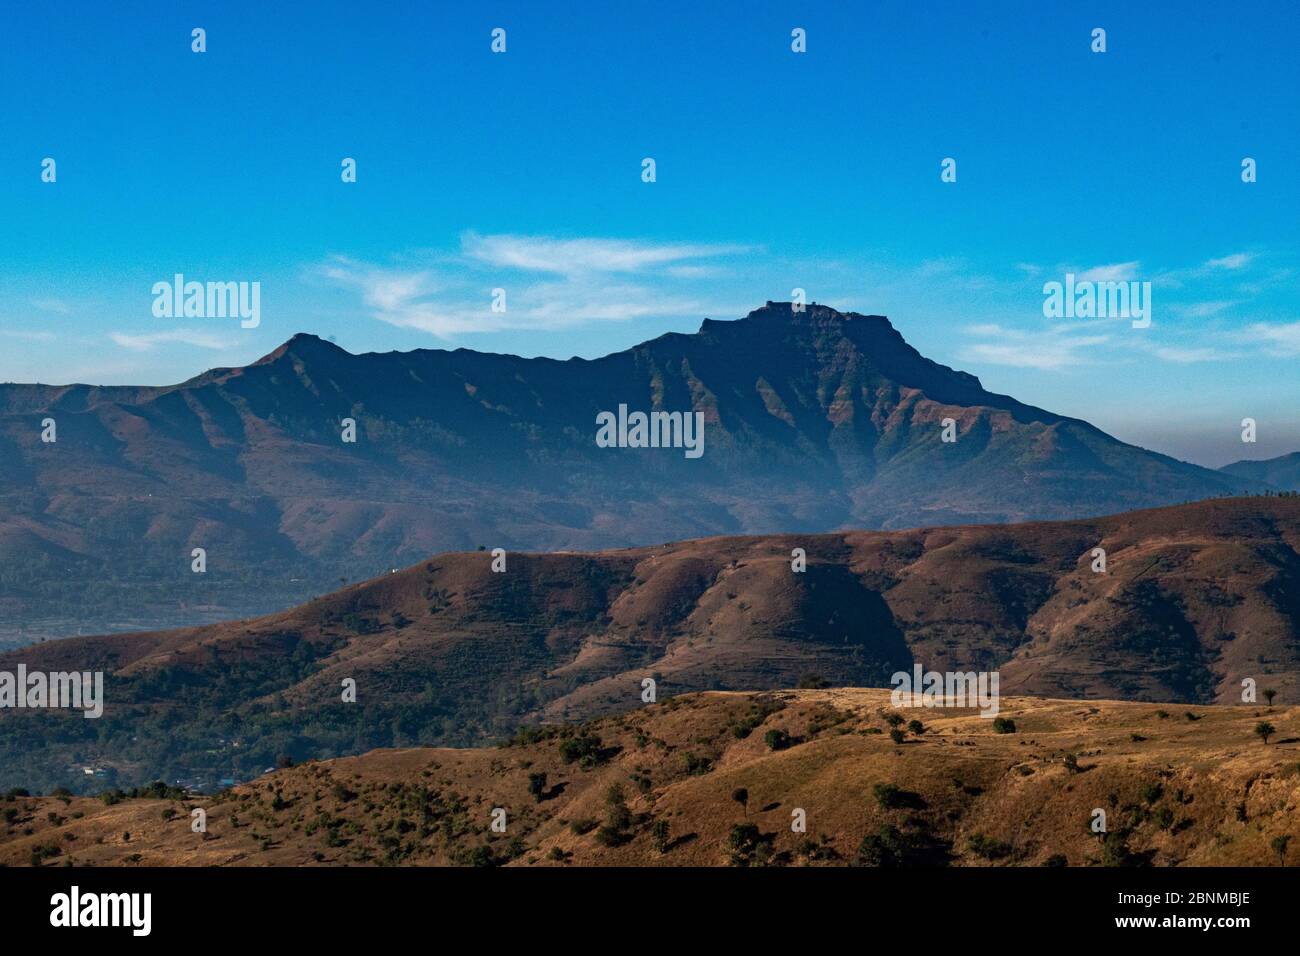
(537, 785)
(892, 797)
(988, 848)
(748, 846)
(777, 740)
(891, 847)
(659, 835)
(584, 746)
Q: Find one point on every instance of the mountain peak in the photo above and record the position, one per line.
(303, 345)
(811, 313)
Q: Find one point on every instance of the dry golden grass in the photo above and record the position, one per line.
(1206, 791)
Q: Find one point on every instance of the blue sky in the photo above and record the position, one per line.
(775, 170)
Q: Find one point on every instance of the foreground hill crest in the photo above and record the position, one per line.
(720, 779)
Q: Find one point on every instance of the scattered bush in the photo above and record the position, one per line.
(659, 835)
(537, 785)
(892, 797)
(1279, 844)
(748, 846)
(778, 740)
(582, 747)
(891, 847)
(988, 848)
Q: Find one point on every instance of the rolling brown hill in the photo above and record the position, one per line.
(716, 779)
(814, 421)
(1195, 599)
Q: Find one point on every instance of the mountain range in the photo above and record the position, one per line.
(814, 420)
(1281, 473)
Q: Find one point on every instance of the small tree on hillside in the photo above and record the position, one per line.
(1279, 847)
(536, 785)
(1264, 730)
(1269, 694)
(659, 834)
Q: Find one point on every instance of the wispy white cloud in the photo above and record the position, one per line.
(1211, 270)
(572, 257)
(1116, 272)
(1278, 338)
(148, 341)
(24, 335)
(57, 306)
(1050, 349)
(559, 283)
(1202, 310)
(401, 297)
(1238, 260)
(1196, 303)
(1187, 356)
(693, 272)
(548, 283)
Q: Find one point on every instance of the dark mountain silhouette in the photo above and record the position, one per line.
(1194, 599)
(1282, 473)
(814, 420)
